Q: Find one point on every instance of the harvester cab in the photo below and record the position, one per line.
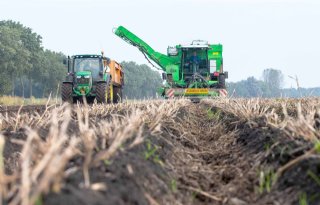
(93, 77)
(194, 61)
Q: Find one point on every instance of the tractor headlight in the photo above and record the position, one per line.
(87, 76)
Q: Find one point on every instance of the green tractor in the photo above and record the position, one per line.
(93, 77)
(193, 71)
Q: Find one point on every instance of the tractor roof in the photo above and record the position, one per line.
(87, 56)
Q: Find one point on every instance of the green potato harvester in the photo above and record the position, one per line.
(194, 71)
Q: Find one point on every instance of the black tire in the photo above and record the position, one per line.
(90, 100)
(222, 81)
(66, 93)
(120, 99)
(101, 91)
(117, 95)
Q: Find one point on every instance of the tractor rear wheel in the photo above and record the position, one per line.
(101, 92)
(110, 94)
(66, 93)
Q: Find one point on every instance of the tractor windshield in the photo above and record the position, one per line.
(88, 64)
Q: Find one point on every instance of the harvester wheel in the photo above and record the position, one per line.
(222, 81)
(101, 92)
(120, 95)
(66, 92)
(117, 95)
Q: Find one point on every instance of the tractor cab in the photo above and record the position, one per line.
(89, 64)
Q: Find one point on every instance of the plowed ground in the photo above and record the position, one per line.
(204, 155)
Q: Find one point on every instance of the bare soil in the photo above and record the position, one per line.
(204, 156)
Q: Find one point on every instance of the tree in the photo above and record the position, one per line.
(140, 81)
(246, 88)
(25, 64)
(274, 80)
(14, 56)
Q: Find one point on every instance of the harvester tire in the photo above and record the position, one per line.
(66, 93)
(117, 97)
(222, 81)
(120, 95)
(101, 92)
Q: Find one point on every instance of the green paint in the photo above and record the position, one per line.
(176, 64)
(84, 83)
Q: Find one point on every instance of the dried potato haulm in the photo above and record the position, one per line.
(224, 151)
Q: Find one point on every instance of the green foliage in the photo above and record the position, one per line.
(213, 115)
(107, 162)
(151, 153)
(301, 92)
(247, 88)
(314, 177)
(267, 146)
(317, 146)
(266, 180)
(270, 86)
(173, 186)
(151, 150)
(273, 79)
(194, 195)
(39, 200)
(257, 88)
(140, 81)
(26, 69)
(303, 199)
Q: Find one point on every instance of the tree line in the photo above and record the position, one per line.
(270, 85)
(27, 69)
(140, 81)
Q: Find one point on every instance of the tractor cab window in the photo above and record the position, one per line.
(88, 64)
(195, 61)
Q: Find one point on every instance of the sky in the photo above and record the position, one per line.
(255, 34)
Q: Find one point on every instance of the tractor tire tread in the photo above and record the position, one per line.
(101, 92)
(66, 92)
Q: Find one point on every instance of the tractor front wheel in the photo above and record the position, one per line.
(66, 93)
(101, 92)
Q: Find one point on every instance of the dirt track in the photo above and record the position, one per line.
(26, 108)
(202, 155)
